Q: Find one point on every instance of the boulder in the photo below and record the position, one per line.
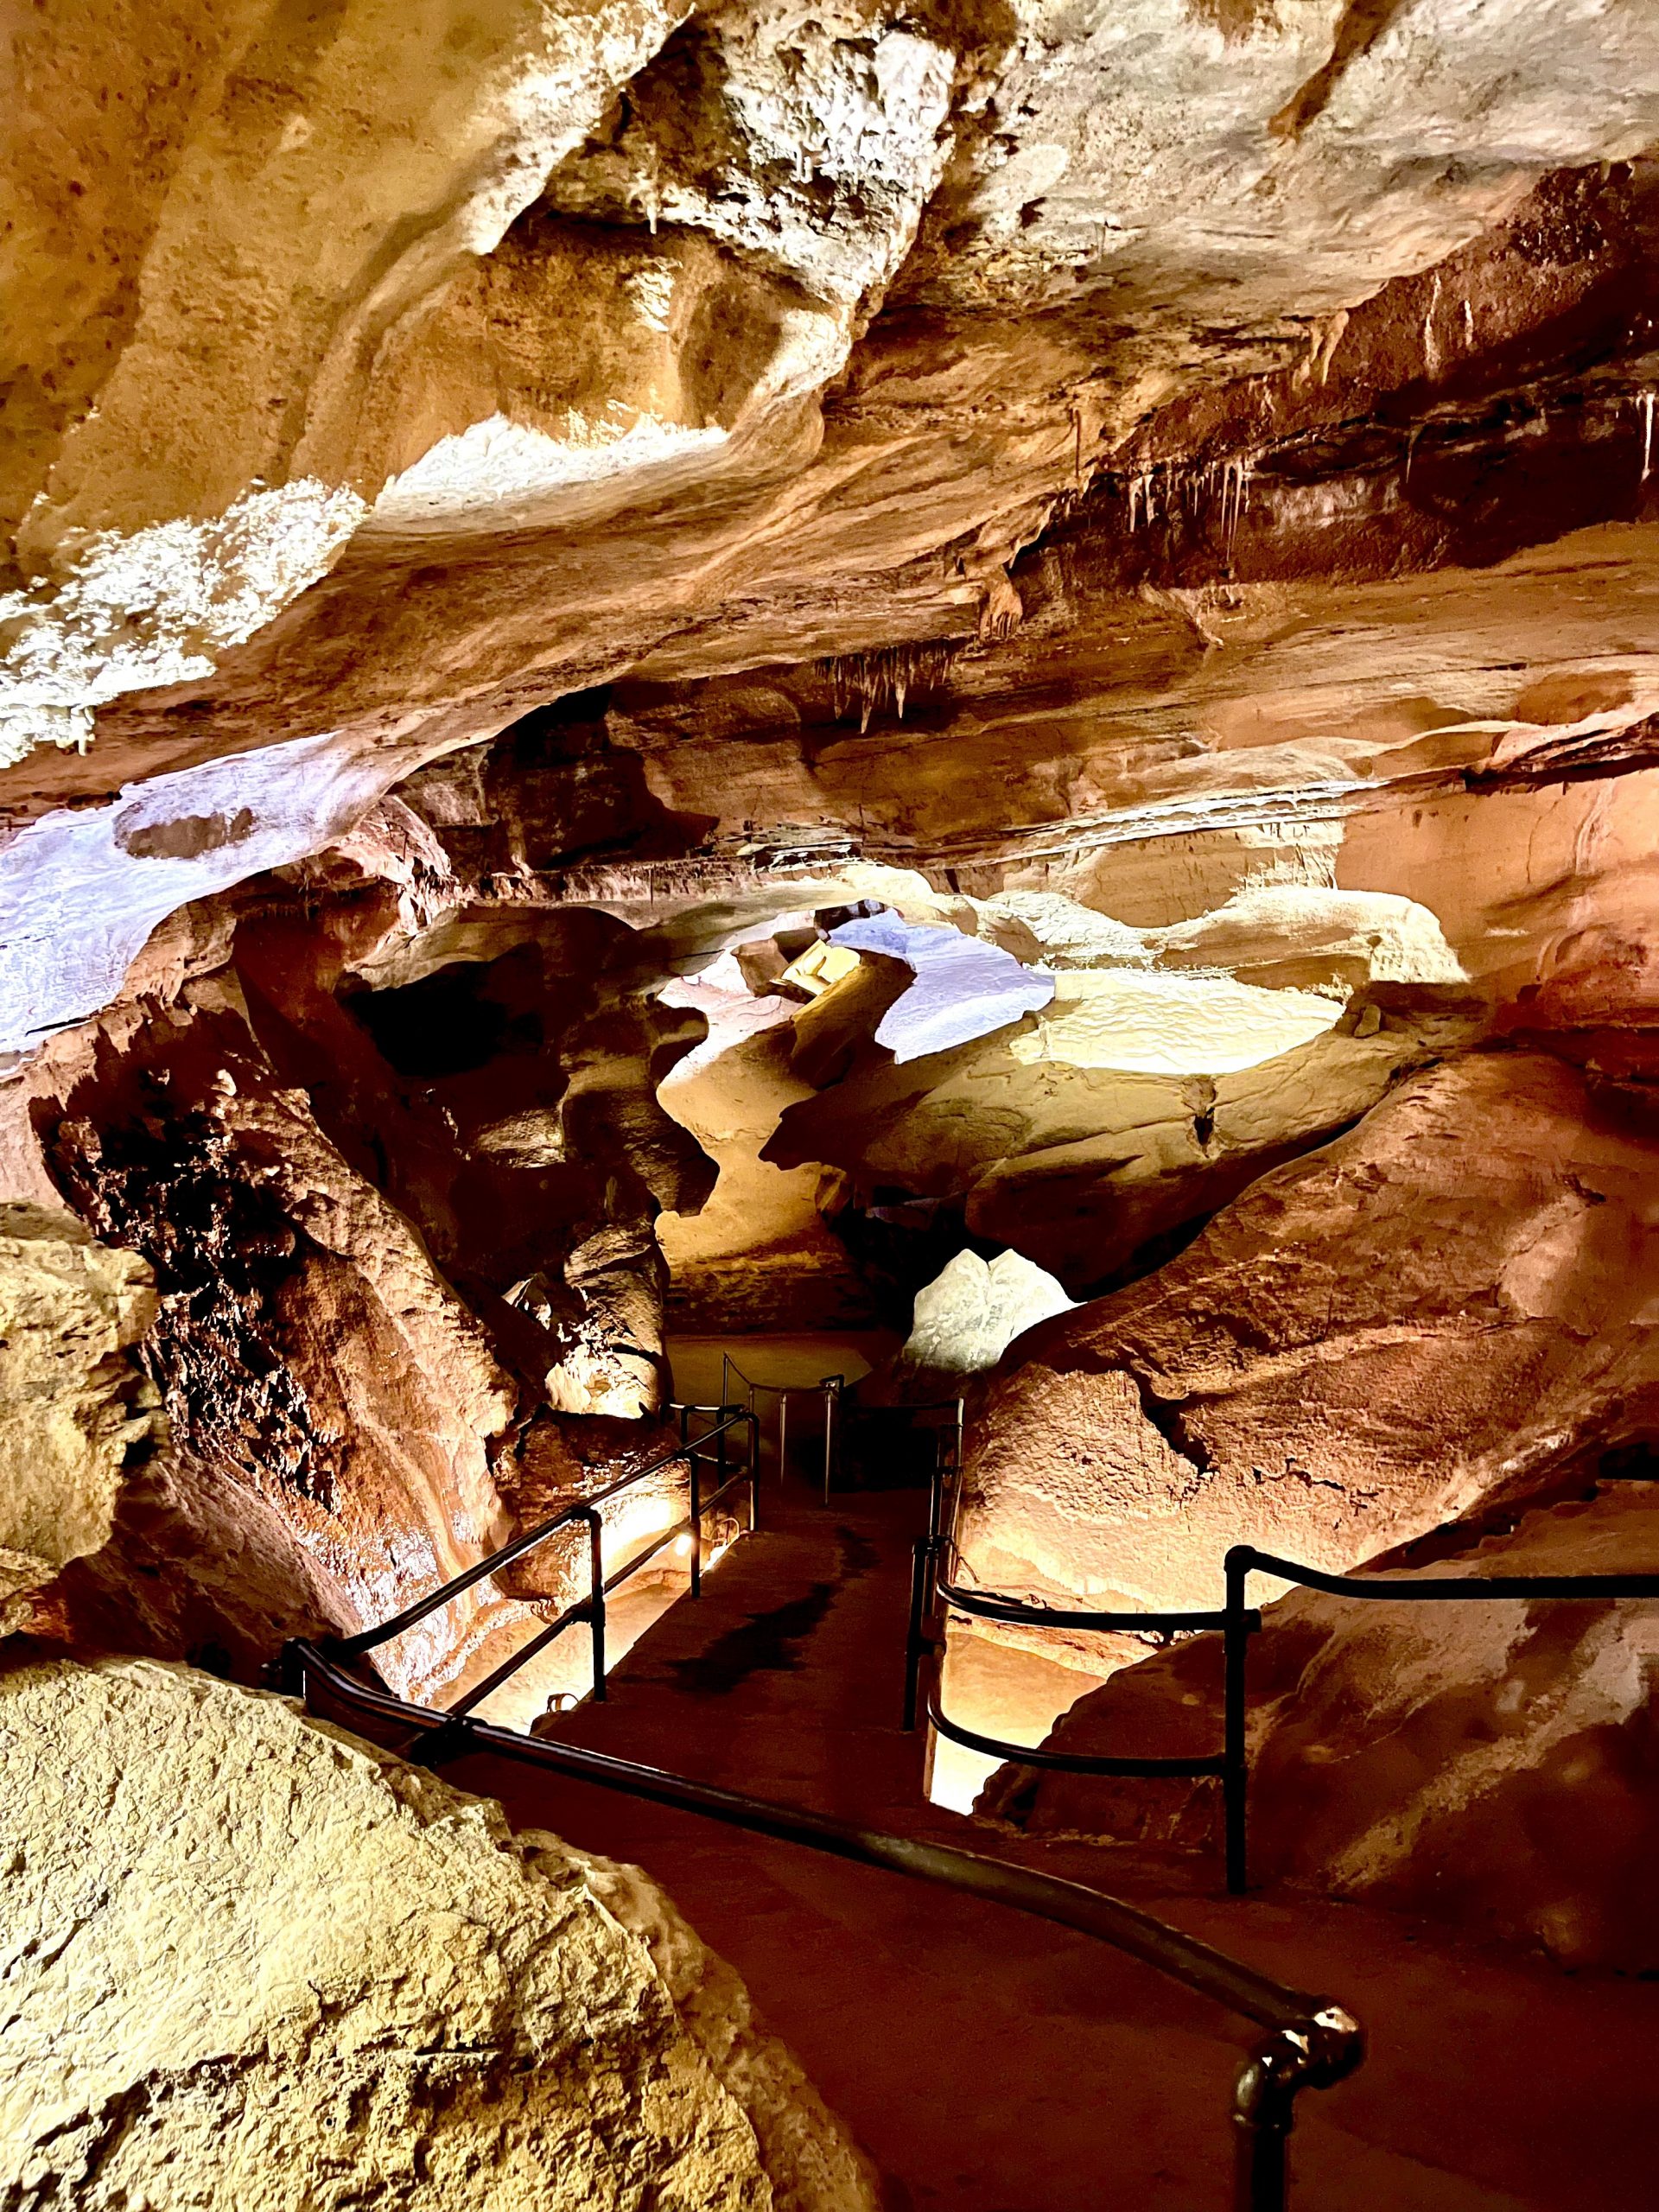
(1454, 1302)
(254, 1965)
(972, 1311)
(75, 1408)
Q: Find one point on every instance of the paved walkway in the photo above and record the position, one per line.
(992, 2063)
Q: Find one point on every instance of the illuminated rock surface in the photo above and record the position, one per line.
(969, 1315)
(528, 532)
(1491, 1761)
(1444, 1307)
(72, 1399)
(251, 1962)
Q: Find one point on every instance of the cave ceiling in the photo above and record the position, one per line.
(1057, 447)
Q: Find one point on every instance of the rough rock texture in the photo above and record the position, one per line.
(75, 1407)
(1139, 1099)
(1495, 1761)
(971, 1312)
(251, 1962)
(893, 335)
(1453, 1303)
(505, 505)
(758, 1255)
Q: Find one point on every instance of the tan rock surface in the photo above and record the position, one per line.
(1450, 1303)
(75, 1406)
(1492, 1761)
(1138, 1101)
(757, 1254)
(253, 1963)
(863, 309)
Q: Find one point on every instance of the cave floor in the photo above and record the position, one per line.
(990, 2062)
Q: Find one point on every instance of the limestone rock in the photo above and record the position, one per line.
(74, 1407)
(962, 988)
(1134, 1102)
(1449, 1304)
(972, 1311)
(1491, 1762)
(757, 1253)
(254, 1964)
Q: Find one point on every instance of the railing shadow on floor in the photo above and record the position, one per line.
(1310, 2042)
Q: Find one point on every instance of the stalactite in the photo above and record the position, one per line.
(889, 675)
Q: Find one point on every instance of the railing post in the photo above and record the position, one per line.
(783, 1434)
(1322, 2050)
(1236, 1773)
(831, 1387)
(754, 1473)
(697, 1516)
(596, 1600)
(916, 1642)
(1263, 2111)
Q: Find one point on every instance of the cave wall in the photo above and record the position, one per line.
(516, 519)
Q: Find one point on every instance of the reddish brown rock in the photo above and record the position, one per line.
(1454, 1302)
(1493, 1761)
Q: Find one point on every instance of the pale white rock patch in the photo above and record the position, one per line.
(968, 1316)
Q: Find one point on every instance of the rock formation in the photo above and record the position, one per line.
(661, 666)
(1451, 1305)
(252, 1963)
(75, 1406)
(969, 1315)
(1490, 1761)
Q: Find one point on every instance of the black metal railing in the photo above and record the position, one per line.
(1310, 2040)
(689, 1452)
(1244, 1560)
(935, 1595)
(830, 1388)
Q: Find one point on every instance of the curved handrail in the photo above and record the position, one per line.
(1069, 1762)
(353, 1647)
(1244, 1560)
(1410, 1585)
(1236, 1623)
(1312, 2042)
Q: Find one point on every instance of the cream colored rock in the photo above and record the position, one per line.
(1097, 1127)
(73, 1404)
(972, 1311)
(1488, 1761)
(757, 1253)
(253, 1964)
(1445, 1306)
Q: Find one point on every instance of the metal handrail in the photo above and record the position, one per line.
(1236, 1622)
(585, 1511)
(829, 1387)
(1312, 2042)
(1244, 1560)
(930, 1589)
